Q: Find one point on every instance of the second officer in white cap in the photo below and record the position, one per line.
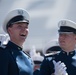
(52, 47)
(15, 61)
(63, 63)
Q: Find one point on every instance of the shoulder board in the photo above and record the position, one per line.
(52, 53)
(27, 53)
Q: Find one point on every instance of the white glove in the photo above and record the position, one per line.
(3, 39)
(60, 68)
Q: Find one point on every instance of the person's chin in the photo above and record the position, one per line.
(23, 39)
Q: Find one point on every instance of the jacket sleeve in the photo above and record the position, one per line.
(3, 62)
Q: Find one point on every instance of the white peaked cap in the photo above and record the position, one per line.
(32, 51)
(66, 22)
(4, 39)
(50, 44)
(35, 56)
(14, 13)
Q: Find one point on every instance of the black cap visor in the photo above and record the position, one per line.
(67, 29)
(17, 19)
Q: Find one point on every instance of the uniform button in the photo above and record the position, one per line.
(64, 52)
(53, 57)
(71, 53)
(12, 52)
(31, 63)
(18, 48)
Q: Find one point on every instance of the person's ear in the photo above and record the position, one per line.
(75, 36)
(9, 30)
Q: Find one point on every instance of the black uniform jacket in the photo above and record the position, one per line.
(36, 72)
(47, 66)
(13, 61)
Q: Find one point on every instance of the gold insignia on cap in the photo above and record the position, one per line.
(20, 12)
(63, 23)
